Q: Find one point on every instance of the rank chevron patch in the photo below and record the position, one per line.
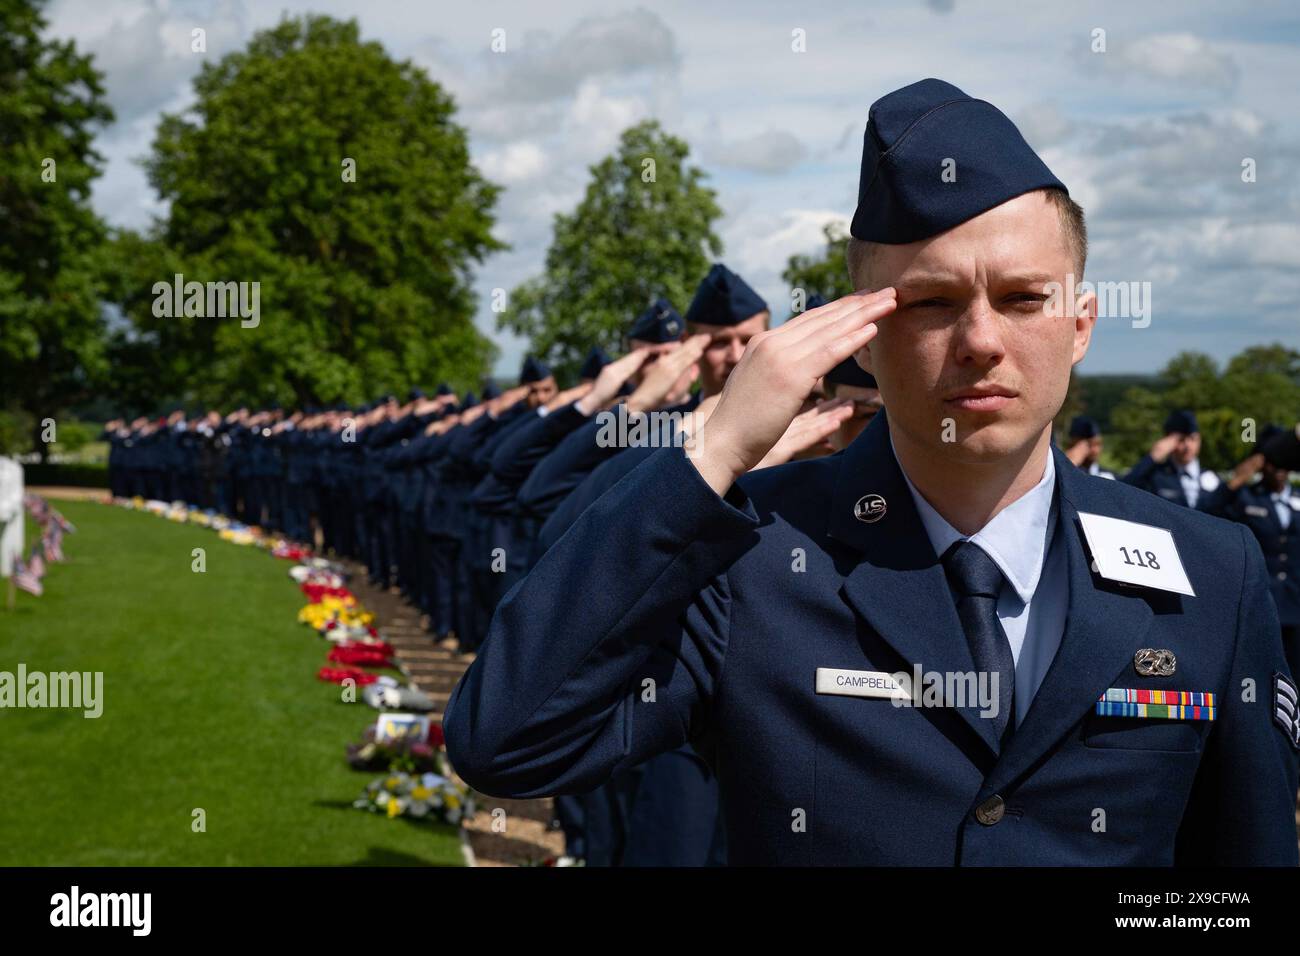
(1286, 708)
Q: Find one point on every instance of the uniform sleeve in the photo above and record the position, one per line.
(557, 700)
(519, 454)
(1140, 474)
(1242, 808)
(563, 470)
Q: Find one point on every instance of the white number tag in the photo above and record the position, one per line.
(1135, 553)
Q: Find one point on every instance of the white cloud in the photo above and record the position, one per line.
(514, 163)
(543, 68)
(771, 151)
(1180, 58)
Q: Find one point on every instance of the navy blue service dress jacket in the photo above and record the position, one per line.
(662, 580)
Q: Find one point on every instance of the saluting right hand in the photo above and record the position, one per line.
(1164, 447)
(778, 371)
(664, 375)
(611, 378)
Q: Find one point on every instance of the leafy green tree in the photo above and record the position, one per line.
(825, 273)
(51, 274)
(1258, 386)
(333, 176)
(644, 228)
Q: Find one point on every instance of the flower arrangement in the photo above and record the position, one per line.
(345, 610)
(428, 796)
(290, 552)
(333, 630)
(315, 593)
(404, 755)
(361, 655)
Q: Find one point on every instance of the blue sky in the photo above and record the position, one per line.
(1149, 136)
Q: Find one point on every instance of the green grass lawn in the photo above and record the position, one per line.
(210, 701)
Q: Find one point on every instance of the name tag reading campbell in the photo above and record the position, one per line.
(859, 684)
(1134, 553)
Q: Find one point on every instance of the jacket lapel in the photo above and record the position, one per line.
(899, 587)
(1104, 626)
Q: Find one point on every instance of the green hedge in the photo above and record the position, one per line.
(67, 476)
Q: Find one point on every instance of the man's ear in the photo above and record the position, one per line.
(863, 357)
(1085, 319)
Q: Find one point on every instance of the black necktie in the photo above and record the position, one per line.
(975, 581)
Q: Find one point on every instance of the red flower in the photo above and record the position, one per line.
(435, 735)
(358, 656)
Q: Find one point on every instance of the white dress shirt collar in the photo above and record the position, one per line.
(1015, 538)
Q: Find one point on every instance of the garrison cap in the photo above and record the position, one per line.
(724, 298)
(596, 360)
(1182, 421)
(533, 371)
(658, 324)
(1081, 426)
(912, 133)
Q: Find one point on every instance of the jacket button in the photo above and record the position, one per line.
(1281, 575)
(991, 810)
(1281, 557)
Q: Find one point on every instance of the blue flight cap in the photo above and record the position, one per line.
(849, 372)
(723, 298)
(596, 360)
(912, 135)
(414, 393)
(443, 389)
(533, 371)
(658, 324)
(490, 390)
(1182, 421)
(1081, 426)
(469, 401)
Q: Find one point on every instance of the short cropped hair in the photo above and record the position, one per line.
(859, 252)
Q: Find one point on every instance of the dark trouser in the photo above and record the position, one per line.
(296, 521)
(252, 510)
(222, 501)
(606, 814)
(442, 571)
(409, 534)
(569, 811)
(273, 496)
(676, 817)
(379, 555)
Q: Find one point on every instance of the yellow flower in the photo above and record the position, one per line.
(392, 783)
(394, 808)
(421, 793)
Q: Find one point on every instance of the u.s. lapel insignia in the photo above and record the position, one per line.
(870, 508)
(1286, 708)
(1151, 662)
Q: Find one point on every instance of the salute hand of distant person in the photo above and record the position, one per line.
(780, 368)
